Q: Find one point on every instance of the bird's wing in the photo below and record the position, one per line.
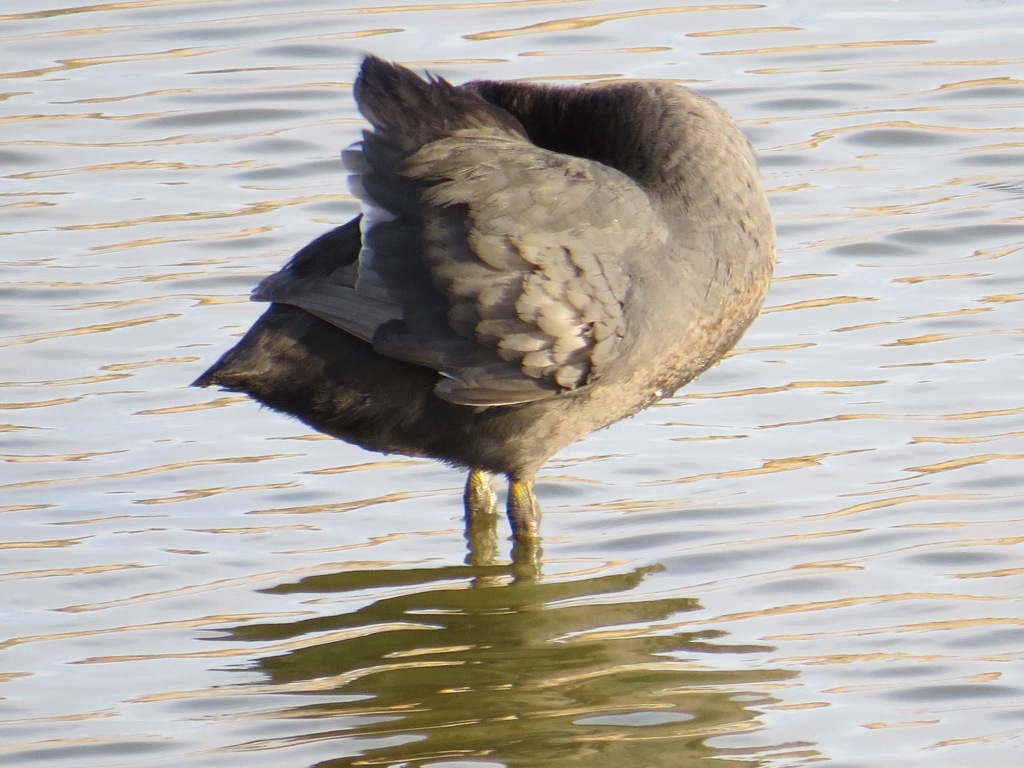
(501, 265)
(526, 253)
(321, 279)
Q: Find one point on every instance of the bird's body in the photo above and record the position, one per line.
(532, 263)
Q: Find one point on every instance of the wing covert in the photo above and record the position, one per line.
(528, 251)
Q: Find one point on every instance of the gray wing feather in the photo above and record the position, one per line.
(498, 264)
(529, 250)
(332, 297)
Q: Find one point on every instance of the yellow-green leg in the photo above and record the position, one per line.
(480, 499)
(524, 515)
(523, 510)
(481, 506)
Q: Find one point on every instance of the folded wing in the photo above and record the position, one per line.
(501, 265)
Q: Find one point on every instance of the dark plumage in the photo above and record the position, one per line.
(532, 263)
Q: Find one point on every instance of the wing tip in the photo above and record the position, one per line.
(488, 393)
(412, 110)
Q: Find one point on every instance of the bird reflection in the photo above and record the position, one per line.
(463, 662)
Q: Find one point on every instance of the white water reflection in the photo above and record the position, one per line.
(811, 553)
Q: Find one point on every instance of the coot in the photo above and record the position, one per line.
(532, 263)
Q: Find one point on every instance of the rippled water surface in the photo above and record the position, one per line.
(812, 554)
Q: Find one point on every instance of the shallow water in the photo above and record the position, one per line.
(812, 554)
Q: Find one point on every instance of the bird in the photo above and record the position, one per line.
(532, 262)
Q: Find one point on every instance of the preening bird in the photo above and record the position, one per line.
(532, 263)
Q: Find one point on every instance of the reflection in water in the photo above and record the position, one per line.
(457, 662)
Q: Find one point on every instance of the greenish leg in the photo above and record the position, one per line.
(481, 505)
(523, 510)
(480, 499)
(524, 515)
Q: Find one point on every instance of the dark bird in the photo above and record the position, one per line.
(532, 263)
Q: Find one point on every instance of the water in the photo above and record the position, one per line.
(810, 555)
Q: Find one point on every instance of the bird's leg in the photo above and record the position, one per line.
(524, 515)
(523, 510)
(480, 499)
(481, 506)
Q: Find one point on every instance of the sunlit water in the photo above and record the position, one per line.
(812, 554)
